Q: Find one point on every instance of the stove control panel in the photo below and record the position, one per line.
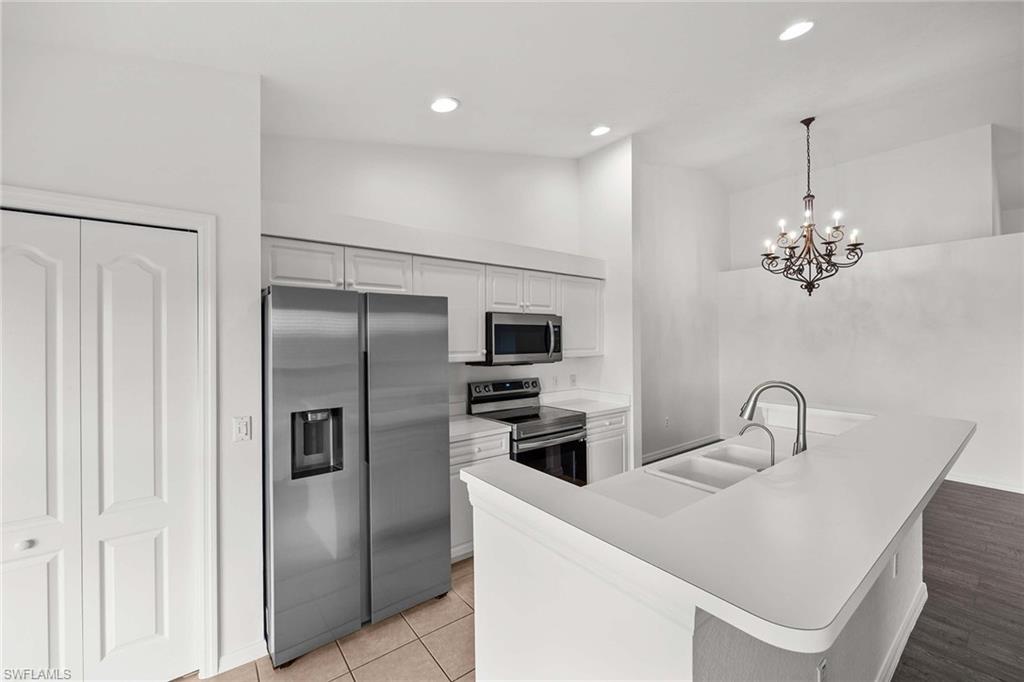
(504, 388)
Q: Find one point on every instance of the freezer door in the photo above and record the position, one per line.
(407, 404)
(314, 475)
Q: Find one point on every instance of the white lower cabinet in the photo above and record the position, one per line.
(465, 453)
(607, 446)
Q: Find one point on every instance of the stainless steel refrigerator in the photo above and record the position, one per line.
(355, 466)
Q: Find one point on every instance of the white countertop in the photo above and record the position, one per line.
(464, 427)
(786, 554)
(593, 403)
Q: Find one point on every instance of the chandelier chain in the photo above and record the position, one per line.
(808, 158)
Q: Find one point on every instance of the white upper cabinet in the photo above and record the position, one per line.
(540, 292)
(582, 301)
(472, 289)
(383, 271)
(504, 289)
(521, 291)
(303, 264)
(464, 284)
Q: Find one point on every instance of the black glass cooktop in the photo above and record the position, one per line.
(536, 421)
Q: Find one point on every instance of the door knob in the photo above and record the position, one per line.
(22, 545)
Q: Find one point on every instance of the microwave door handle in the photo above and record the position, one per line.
(551, 441)
(551, 338)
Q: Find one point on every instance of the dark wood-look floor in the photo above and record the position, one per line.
(972, 626)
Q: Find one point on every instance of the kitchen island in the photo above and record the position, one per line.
(812, 564)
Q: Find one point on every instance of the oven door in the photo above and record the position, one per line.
(523, 338)
(563, 455)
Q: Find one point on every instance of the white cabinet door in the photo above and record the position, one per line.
(606, 455)
(540, 292)
(504, 289)
(368, 270)
(302, 264)
(140, 451)
(464, 286)
(582, 302)
(40, 520)
(462, 518)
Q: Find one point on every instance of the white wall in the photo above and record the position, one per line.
(936, 329)
(680, 244)
(529, 200)
(606, 214)
(932, 191)
(181, 137)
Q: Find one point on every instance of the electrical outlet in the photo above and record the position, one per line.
(822, 667)
(895, 564)
(666, 422)
(241, 429)
(572, 380)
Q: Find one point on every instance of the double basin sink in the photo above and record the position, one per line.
(714, 467)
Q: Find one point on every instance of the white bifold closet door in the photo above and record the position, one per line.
(130, 455)
(40, 513)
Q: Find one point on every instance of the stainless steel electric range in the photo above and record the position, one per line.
(550, 439)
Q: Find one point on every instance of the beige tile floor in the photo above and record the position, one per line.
(432, 641)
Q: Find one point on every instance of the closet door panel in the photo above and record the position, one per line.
(140, 450)
(40, 578)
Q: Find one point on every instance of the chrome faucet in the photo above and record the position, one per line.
(747, 411)
(771, 437)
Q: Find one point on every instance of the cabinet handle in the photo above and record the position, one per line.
(479, 449)
(351, 284)
(22, 545)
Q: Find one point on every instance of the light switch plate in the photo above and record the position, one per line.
(241, 429)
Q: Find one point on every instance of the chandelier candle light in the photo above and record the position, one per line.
(804, 259)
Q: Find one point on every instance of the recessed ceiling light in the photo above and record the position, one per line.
(796, 30)
(598, 131)
(444, 105)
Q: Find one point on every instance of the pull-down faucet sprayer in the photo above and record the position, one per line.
(750, 406)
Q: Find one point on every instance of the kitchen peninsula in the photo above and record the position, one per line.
(810, 569)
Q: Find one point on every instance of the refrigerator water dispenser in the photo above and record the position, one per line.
(316, 442)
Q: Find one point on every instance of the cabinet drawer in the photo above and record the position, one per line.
(609, 422)
(474, 449)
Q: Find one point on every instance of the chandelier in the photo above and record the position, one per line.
(810, 254)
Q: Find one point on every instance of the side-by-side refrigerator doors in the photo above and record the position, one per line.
(407, 405)
(314, 470)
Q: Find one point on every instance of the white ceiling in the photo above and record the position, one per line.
(707, 82)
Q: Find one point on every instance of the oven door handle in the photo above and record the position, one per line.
(551, 338)
(576, 435)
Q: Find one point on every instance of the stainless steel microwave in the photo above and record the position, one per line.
(523, 338)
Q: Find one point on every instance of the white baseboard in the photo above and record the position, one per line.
(985, 483)
(892, 658)
(649, 457)
(246, 654)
